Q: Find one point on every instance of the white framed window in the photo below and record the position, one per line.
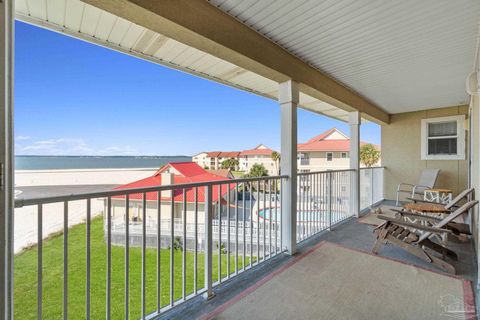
(443, 138)
(344, 155)
(304, 158)
(329, 156)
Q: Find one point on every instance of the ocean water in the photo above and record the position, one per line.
(92, 162)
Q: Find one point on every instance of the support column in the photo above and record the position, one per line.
(288, 96)
(354, 122)
(6, 158)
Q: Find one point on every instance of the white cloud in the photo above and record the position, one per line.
(62, 146)
(19, 138)
(69, 146)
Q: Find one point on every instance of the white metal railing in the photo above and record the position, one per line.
(228, 227)
(323, 199)
(223, 227)
(371, 186)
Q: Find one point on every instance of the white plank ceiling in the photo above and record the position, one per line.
(403, 55)
(89, 23)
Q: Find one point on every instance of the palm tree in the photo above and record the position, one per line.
(369, 155)
(276, 158)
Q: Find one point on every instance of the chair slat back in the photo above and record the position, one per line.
(428, 177)
(457, 199)
(452, 216)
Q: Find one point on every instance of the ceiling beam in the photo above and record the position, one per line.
(200, 25)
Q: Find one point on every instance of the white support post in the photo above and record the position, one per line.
(6, 158)
(288, 96)
(354, 122)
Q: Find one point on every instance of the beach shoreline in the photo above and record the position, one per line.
(44, 183)
(59, 177)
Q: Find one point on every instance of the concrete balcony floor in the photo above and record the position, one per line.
(349, 234)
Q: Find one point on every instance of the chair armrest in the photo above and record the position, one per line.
(413, 225)
(405, 188)
(420, 200)
(404, 184)
(419, 216)
(421, 187)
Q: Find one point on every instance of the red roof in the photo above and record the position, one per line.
(213, 154)
(190, 172)
(187, 169)
(257, 151)
(223, 154)
(323, 135)
(318, 143)
(231, 154)
(325, 145)
(221, 172)
(329, 145)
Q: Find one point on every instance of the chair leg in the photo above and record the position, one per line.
(419, 252)
(380, 238)
(415, 250)
(445, 252)
(443, 265)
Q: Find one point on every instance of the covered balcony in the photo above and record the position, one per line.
(296, 245)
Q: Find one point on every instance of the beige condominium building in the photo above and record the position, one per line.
(213, 160)
(327, 151)
(261, 154)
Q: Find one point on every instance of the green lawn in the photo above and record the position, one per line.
(26, 277)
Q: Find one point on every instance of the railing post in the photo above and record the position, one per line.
(371, 187)
(354, 122)
(208, 243)
(288, 97)
(329, 176)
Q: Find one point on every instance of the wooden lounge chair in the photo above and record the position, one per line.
(456, 227)
(404, 235)
(454, 203)
(427, 181)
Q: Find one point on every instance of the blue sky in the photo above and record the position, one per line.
(76, 98)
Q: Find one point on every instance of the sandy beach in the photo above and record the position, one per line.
(26, 178)
(44, 183)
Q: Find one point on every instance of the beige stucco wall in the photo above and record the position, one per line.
(247, 162)
(318, 161)
(401, 141)
(201, 159)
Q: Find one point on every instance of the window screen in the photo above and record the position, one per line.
(442, 138)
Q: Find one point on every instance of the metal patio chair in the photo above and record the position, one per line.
(427, 181)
